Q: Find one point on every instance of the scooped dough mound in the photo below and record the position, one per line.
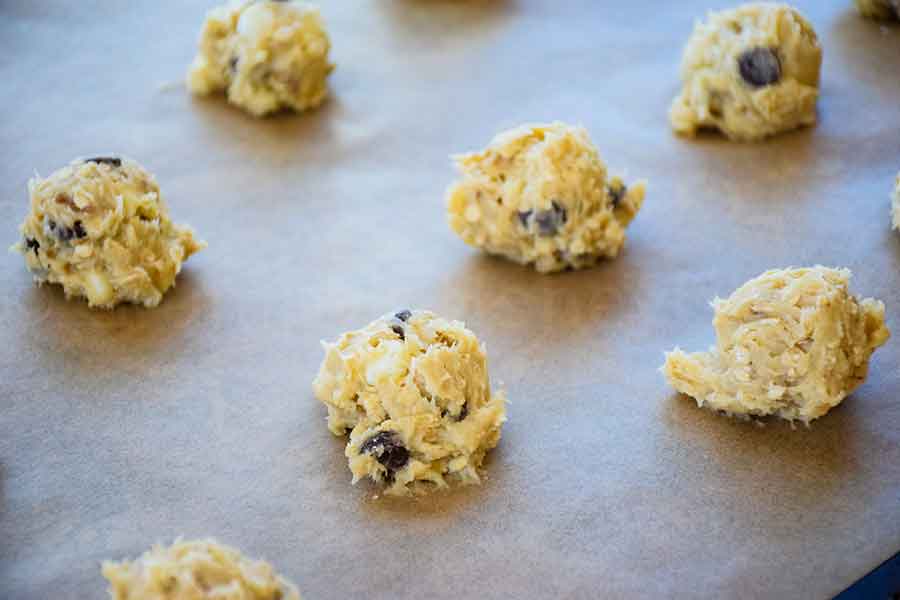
(99, 227)
(265, 55)
(879, 9)
(413, 391)
(196, 570)
(792, 343)
(540, 195)
(750, 72)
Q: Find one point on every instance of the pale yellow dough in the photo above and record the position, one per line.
(540, 195)
(895, 204)
(413, 391)
(265, 55)
(196, 570)
(99, 227)
(879, 9)
(792, 343)
(750, 72)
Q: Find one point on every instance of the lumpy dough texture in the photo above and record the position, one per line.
(879, 9)
(750, 72)
(540, 195)
(895, 204)
(99, 227)
(265, 55)
(413, 390)
(792, 343)
(196, 570)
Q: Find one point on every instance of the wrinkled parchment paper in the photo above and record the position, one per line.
(119, 429)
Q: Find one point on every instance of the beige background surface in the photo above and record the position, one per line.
(119, 429)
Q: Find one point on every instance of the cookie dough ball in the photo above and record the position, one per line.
(196, 570)
(265, 55)
(413, 391)
(540, 195)
(879, 9)
(750, 72)
(895, 204)
(791, 343)
(99, 227)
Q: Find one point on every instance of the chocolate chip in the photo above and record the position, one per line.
(524, 215)
(616, 192)
(63, 233)
(403, 315)
(548, 222)
(398, 329)
(232, 64)
(32, 244)
(105, 160)
(464, 412)
(760, 67)
(387, 450)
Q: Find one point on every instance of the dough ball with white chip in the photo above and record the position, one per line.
(196, 570)
(792, 343)
(265, 55)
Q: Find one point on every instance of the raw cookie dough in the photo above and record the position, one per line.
(100, 228)
(413, 391)
(879, 9)
(792, 343)
(196, 570)
(540, 195)
(895, 204)
(750, 72)
(265, 55)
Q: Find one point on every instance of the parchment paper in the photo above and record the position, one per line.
(120, 429)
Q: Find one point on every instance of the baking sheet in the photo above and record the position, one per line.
(119, 429)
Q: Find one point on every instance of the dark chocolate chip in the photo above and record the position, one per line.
(398, 329)
(524, 216)
(403, 315)
(550, 221)
(232, 64)
(387, 450)
(32, 244)
(79, 230)
(464, 412)
(759, 67)
(105, 160)
(616, 193)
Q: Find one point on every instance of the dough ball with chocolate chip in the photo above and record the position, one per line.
(413, 391)
(540, 195)
(879, 9)
(99, 227)
(265, 56)
(750, 72)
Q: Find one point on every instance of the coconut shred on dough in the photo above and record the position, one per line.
(879, 9)
(196, 570)
(412, 390)
(792, 343)
(99, 227)
(540, 195)
(750, 72)
(265, 55)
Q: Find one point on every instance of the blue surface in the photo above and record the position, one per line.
(882, 583)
